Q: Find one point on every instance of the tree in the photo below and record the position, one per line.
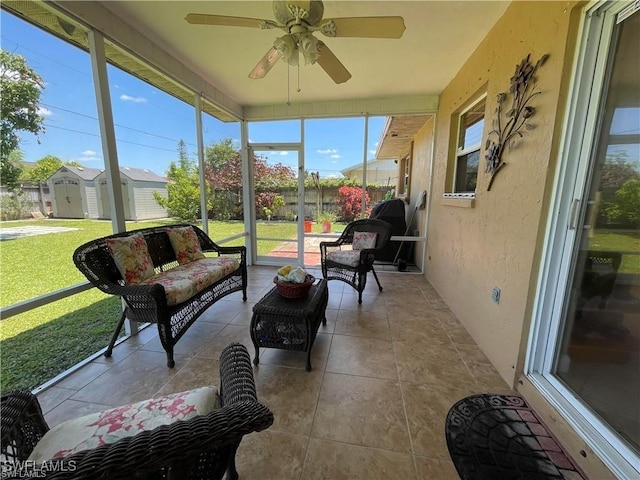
(183, 189)
(12, 168)
(20, 89)
(626, 208)
(45, 167)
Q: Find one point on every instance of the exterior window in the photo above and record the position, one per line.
(404, 174)
(470, 127)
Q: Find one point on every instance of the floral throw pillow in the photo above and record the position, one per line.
(362, 240)
(185, 244)
(132, 258)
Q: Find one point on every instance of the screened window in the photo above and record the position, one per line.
(470, 127)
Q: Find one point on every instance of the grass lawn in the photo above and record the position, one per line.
(38, 345)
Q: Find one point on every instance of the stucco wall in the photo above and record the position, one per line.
(495, 242)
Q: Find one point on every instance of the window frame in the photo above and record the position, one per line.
(460, 151)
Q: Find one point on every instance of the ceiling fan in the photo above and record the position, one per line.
(300, 19)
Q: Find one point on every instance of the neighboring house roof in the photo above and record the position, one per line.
(136, 174)
(385, 163)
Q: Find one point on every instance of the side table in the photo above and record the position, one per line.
(289, 323)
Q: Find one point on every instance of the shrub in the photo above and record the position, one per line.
(350, 202)
(15, 206)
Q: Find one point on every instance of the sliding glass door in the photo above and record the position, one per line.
(587, 349)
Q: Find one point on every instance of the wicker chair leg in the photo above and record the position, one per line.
(170, 362)
(115, 336)
(232, 473)
(375, 275)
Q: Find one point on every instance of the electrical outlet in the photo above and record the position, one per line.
(495, 295)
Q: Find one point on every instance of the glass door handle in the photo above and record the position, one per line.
(573, 216)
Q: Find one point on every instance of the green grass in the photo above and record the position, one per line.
(619, 242)
(38, 345)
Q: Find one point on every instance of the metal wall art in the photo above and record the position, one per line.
(506, 126)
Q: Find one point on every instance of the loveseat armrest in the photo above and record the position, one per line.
(183, 447)
(236, 375)
(22, 425)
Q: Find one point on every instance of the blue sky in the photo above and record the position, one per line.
(149, 123)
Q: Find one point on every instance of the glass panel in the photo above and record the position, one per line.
(276, 203)
(467, 172)
(471, 125)
(599, 358)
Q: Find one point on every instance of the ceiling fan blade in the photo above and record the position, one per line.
(265, 64)
(204, 19)
(366, 27)
(330, 64)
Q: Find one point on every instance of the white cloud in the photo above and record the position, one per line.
(44, 112)
(129, 98)
(334, 161)
(372, 152)
(89, 158)
(283, 152)
(328, 150)
(336, 156)
(89, 153)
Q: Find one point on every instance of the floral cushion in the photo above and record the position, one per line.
(345, 257)
(101, 428)
(131, 257)
(362, 240)
(183, 282)
(185, 244)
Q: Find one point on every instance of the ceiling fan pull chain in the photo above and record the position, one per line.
(288, 85)
(299, 90)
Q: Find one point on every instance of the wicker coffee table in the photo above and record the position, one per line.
(289, 324)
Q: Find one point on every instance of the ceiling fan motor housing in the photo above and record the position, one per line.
(284, 11)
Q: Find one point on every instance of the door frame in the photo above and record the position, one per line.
(567, 210)
(276, 147)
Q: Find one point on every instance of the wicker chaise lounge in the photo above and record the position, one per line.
(200, 447)
(202, 280)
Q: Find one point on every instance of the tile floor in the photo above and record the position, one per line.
(385, 374)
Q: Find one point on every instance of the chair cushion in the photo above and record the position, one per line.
(362, 240)
(132, 258)
(185, 244)
(109, 426)
(184, 281)
(345, 257)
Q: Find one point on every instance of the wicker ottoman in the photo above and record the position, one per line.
(289, 324)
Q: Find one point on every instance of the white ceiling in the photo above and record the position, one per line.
(439, 37)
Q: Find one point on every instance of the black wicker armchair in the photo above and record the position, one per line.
(201, 447)
(352, 266)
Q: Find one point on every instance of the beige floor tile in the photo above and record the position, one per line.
(486, 376)
(433, 364)
(86, 374)
(427, 407)
(137, 377)
(363, 411)
(361, 323)
(372, 301)
(426, 330)
(472, 353)
(338, 461)
(459, 336)
(197, 372)
(70, 409)
(331, 315)
(270, 455)
(435, 469)
(53, 396)
(292, 359)
(291, 394)
(197, 333)
(229, 334)
(369, 357)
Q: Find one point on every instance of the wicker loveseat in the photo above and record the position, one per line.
(176, 287)
(198, 446)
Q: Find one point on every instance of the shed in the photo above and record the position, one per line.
(381, 171)
(138, 186)
(73, 192)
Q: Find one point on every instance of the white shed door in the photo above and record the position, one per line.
(66, 192)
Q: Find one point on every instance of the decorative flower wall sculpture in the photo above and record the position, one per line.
(507, 126)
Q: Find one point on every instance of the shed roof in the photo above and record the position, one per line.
(136, 174)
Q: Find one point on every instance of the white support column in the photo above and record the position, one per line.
(108, 137)
(203, 186)
(364, 166)
(107, 131)
(301, 195)
(247, 192)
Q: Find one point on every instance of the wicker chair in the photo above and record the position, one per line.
(201, 447)
(352, 266)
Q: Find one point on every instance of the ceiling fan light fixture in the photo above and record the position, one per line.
(287, 47)
(308, 44)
